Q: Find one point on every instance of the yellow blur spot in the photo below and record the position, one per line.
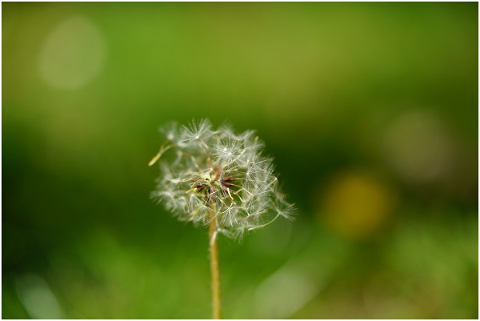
(357, 205)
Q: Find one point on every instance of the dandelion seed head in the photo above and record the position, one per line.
(208, 170)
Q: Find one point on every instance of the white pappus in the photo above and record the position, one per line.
(217, 174)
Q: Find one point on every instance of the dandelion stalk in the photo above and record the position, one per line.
(218, 179)
(214, 267)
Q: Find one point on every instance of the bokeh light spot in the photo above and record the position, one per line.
(72, 54)
(37, 298)
(417, 146)
(273, 297)
(356, 205)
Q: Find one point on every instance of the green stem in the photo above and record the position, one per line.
(214, 267)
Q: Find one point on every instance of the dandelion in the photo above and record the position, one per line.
(218, 179)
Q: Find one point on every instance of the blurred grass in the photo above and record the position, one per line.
(358, 103)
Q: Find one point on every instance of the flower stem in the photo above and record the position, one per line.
(214, 267)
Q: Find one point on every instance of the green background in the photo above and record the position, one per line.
(370, 111)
